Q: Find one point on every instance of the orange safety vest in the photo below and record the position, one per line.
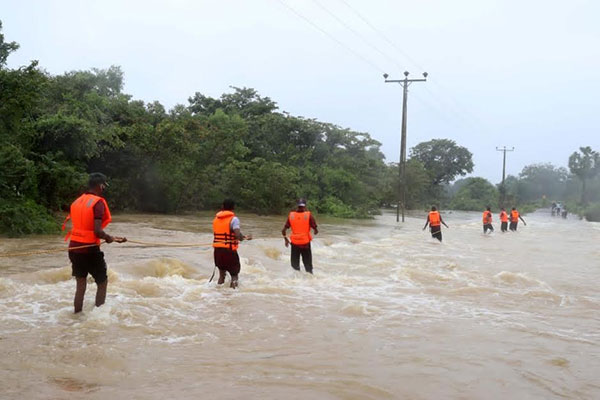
(300, 224)
(223, 235)
(503, 216)
(434, 218)
(487, 217)
(82, 219)
(514, 216)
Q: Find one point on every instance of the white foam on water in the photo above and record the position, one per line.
(385, 304)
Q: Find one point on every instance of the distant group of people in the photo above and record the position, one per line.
(90, 214)
(558, 210)
(435, 221)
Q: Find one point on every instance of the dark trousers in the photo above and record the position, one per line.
(306, 253)
(436, 232)
(488, 227)
(504, 226)
(513, 226)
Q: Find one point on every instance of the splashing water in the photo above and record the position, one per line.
(389, 313)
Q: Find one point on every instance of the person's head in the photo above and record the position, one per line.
(513, 209)
(502, 209)
(489, 208)
(228, 205)
(97, 182)
(301, 204)
(433, 208)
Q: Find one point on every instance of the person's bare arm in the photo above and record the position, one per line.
(239, 236)
(284, 232)
(98, 231)
(442, 221)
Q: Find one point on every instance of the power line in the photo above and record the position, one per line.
(435, 109)
(455, 116)
(383, 36)
(411, 60)
(378, 50)
(314, 25)
(344, 24)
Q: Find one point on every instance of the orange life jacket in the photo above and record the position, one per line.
(300, 224)
(487, 217)
(514, 216)
(223, 236)
(82, 219)
(434, 218)
(503, 216)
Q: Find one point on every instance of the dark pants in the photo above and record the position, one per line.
(488, 227)
(306, 253)
(504, 226)
(436, 232)
(227, 261)
(513, 226)
(91, 262)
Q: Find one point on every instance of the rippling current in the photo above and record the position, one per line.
(389, 314)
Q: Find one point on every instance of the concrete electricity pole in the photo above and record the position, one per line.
(502, 188)
(405, 83)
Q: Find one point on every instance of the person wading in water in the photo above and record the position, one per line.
(227, 236)
(487, 221)
(514, 219)
(300, 221)
(503, 220)
(434, 219)
(89, 216)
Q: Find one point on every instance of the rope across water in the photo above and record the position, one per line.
(137, 242)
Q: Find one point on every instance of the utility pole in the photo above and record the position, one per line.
(502, 187)
(405, 83)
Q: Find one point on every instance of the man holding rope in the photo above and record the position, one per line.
(89, 216)
(227, 237)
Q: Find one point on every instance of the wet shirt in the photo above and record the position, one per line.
(98, 214)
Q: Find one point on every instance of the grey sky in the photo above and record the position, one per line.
(516, 73)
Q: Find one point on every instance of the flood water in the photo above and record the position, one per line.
(389, 314)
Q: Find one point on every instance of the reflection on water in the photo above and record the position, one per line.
(389, 313)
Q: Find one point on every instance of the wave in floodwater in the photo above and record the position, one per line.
(389, 313)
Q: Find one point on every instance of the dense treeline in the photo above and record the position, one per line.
(54, 130)
(538, 185)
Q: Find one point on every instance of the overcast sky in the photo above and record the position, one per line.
(515, 73)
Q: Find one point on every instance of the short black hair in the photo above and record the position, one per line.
(95, 179)
(433, 208)
(228, 204)
(488, 208)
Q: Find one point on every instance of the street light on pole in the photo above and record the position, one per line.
(405, 83)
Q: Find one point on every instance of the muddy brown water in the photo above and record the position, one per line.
(389, 314)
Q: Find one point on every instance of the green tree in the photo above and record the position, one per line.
(243, 101)
(539, 180)
(55, 129)
(5, 48)
(443, 159)
(475, 194)
(584, 164)
(417, 184)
